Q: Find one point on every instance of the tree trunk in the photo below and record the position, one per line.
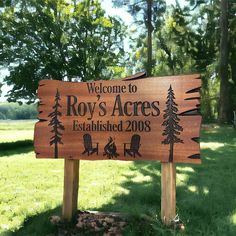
(171, 152)
(224, 111)
(56, 150)
(149, 38)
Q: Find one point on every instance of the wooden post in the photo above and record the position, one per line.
(168, 192)
(71, 181)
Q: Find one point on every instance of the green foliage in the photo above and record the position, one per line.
(14, 111)
(61, 40)
(139, 10)
(187, 42)
(75, 40)
(147, 16)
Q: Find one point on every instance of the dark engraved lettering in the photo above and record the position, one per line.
(90, 87)
(140, 126)
(118, 107)
(147, 126)
(123, 89)
(126, 108)
(145, 106)
(75, 125)
(82, 109)
(136, 104)
(71, 106)
(91, 107)
(103, 111)
(93, 88)
(155, 106)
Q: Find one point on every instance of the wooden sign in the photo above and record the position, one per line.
(146, 119)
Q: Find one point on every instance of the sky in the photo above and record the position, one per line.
(108, 6)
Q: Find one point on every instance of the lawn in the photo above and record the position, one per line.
(11, 131)
(31, 190)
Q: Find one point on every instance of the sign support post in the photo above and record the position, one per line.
(168, 192)
(70, 196)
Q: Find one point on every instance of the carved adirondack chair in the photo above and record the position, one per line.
(88, 146)
(132, 148)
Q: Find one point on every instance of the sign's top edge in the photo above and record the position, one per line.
(126, 79)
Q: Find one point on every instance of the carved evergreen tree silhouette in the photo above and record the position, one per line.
(171, 120)
(56, 125)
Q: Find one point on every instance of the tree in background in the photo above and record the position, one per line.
(172, 44)
(171, 120)
(73, 39)
(187, 43)
(61, 40)
(14, 111)
(218, 50)
(224, 63)
(1, 88)
(56, 125)
(145, 13)
(5, 3)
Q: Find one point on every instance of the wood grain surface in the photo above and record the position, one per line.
(154, 118)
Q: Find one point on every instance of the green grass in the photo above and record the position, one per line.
(11, 131)
(13, 135)
(31, 191)
(17, 125)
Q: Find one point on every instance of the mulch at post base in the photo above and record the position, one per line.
(96, 223)
(92, 223)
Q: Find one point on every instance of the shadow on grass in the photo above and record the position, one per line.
(38, 225)
(206, 195)
(18, 147)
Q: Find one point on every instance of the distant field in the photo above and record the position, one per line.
(11, 131)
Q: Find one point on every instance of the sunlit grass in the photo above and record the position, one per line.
(27, 187)
(211, 145)
(17, 125)
(233, 218)
(11, 131)
(30, 186)
(12, 135)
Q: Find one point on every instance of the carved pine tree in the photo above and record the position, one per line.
(56, 125)
(171, 120)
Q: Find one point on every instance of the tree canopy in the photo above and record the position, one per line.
(76, 40)
(61, 40)
(188, 39)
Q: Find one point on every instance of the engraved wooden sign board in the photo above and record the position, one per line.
(154, 118)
